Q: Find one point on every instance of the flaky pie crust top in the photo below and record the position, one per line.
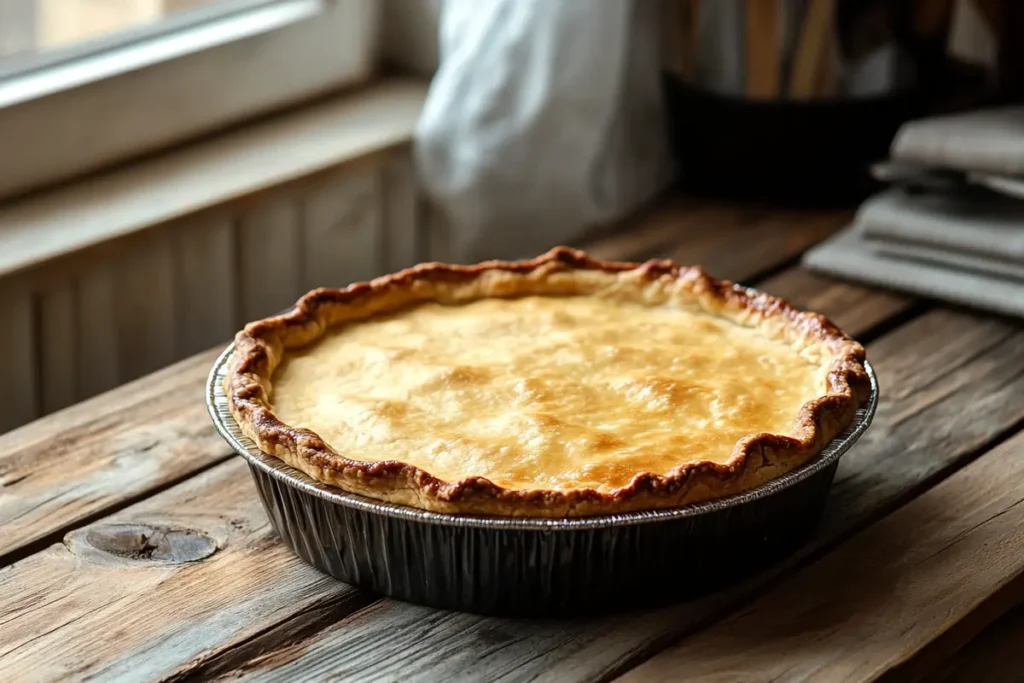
(559, 386)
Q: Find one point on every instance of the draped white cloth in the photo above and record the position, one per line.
(544, 118)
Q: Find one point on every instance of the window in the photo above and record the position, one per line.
(87, 83)
(35, 33)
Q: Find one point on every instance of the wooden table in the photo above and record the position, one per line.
(920, 550)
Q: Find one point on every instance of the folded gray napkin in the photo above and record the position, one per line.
(976, 224)
(966, 247)
(986, 140)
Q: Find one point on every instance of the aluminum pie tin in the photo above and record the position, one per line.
(537, 566)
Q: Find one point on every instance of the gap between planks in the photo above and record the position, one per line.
(994, 656)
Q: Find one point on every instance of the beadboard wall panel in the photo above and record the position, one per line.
(58, 347)
(87, 322)
(19, 385)
(342, 232)
(206, 276)
(269, 256)
(438, 242)
(97, 358)
(402, 206)
(145, 298)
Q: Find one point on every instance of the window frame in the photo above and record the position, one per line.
(86, 109)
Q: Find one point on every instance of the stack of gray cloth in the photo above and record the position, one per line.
(951, 227)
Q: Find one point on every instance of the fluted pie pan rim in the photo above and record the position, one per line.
(757, 460)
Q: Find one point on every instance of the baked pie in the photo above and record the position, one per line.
(559, 386)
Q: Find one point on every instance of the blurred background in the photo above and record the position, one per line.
(170, 169)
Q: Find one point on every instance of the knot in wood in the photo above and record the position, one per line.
(142, 543)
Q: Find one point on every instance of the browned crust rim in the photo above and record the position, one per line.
(755, 459)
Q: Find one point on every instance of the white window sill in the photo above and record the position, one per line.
(190, 179)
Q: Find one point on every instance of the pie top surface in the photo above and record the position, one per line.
(558, 386)
(544, 392)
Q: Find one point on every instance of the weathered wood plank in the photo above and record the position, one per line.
(747, 244)
(730, 243)
(849, 306)
(58, 347)
(949, 383)
(71, 465)
(921, 579)
(78, 611)
(646, 235)
(996, 655)
(19, 399)
(753, 240)
(206, 283)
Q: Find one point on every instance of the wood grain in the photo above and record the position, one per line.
(949, 384)
(78, 612)
(742, 246)
(729, 242)
(853, 308)
(645, 234)
(882, 598)
(74, 464)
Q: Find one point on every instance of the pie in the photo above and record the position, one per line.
(559, 386)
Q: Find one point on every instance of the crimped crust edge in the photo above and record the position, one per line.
(756, 459)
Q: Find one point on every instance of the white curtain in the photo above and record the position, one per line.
(544, 118)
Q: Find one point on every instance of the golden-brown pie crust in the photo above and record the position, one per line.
(757, 458)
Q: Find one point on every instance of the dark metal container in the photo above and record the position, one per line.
(513, 566)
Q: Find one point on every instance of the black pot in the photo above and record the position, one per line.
(807, 153)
